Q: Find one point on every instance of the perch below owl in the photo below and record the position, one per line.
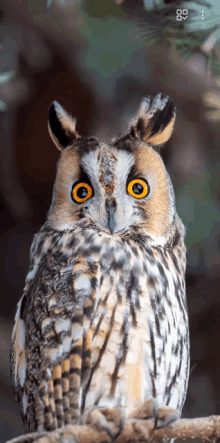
(101, 332)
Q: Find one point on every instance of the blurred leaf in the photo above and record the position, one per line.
(198, 210)
(62, 2)
(152, 4)
(3, 106)
(98, 9)
(7, 76)
(212, 99)
(211, 13)
(111, 43)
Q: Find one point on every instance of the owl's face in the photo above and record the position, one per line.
(118, 187)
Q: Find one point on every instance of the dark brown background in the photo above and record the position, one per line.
(58, 56)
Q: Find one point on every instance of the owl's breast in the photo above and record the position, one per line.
(104, 323)
(139, 329)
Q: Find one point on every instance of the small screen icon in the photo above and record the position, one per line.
(181, 14)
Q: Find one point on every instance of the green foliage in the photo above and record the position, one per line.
(4, 78)
(157, 20)
(187, 35)
(99, 9)
(200, 214)
(110, 44)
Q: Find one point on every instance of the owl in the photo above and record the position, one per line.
(101, 331)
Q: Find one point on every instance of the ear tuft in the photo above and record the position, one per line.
(155, 121)
(61, 126)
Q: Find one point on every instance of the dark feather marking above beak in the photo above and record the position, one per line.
(110, 205)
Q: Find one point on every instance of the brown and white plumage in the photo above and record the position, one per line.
(103, 319)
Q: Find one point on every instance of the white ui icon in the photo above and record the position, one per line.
(181, 14)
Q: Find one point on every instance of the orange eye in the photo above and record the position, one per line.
(138, 188)
(81, 192)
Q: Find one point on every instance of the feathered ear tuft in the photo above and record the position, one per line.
(61, 126)
(155, 121)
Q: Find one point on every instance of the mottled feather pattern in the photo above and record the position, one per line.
(122, 298)
(103, 320)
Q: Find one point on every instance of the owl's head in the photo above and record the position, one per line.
(114, 187)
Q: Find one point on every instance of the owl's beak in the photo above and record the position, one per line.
(110, 205)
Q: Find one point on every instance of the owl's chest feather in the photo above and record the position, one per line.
(121, 303)
(140, 311)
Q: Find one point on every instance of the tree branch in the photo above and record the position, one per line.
(135, 430)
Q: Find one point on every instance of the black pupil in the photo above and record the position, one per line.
(137, 188)
(82, 192)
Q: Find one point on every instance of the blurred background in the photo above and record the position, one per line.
(93, 59)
